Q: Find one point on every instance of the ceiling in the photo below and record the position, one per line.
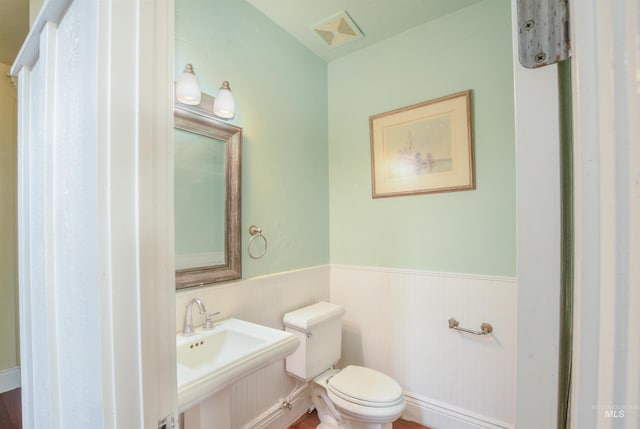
(14, 26)
(377, 19)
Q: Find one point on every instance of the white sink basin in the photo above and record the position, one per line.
(212, 359)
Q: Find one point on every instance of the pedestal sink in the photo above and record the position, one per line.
(212, 359)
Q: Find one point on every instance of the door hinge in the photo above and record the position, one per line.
(168, 422)
(543, 32)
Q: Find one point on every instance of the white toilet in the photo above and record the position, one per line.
(352, 398)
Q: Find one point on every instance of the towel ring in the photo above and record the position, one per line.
(255, 233)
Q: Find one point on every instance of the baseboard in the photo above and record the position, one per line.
(278, 417)
(433, 414)
(437, 415)
(9, 379)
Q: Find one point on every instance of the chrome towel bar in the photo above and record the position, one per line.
(485, 328)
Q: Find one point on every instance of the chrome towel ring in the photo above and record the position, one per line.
(255, 233)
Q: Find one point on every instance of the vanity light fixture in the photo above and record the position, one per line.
(188, 87)
(188, 92)
(224, 105)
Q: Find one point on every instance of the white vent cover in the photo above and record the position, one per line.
(338, 29)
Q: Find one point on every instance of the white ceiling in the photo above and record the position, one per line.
(14, 26)
(377, 19)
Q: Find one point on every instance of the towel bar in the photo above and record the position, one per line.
(485, 328)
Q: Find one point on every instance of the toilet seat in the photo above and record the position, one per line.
(366, 394)
(365, 386)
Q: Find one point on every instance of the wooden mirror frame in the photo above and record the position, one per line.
(201, 120)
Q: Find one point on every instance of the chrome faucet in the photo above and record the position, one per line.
(188, 319)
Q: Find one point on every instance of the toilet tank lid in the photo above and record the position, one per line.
(308, 317)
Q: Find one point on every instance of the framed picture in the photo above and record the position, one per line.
(423, 148)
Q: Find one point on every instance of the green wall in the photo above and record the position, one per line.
(281, 95)
(307, 171)
(465, 232)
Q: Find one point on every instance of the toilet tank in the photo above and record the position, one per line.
(319, 329)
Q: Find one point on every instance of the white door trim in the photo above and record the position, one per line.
(538, 240)
(606, 84)
(132, 287)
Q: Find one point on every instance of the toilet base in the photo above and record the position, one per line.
(330, 418)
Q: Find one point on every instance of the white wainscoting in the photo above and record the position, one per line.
(396, 322)
(279, 416)
(255, 400)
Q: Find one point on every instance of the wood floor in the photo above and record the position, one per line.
(310, 421)
(10, 410)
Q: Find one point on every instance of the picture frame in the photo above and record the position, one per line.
(423, 148)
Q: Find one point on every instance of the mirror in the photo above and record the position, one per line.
(207, 179)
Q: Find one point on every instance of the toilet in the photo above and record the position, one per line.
(351, 398)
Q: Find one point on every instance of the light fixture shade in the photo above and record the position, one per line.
(224, 105)
(188, 87)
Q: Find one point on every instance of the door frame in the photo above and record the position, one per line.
(133, 287)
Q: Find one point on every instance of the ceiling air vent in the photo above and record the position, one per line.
(338, 29)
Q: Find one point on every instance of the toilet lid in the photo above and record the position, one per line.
(365, 386)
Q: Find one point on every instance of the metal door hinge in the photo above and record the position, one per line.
(543, 32)
(168, 422)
